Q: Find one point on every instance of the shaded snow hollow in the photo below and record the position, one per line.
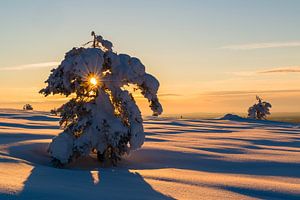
(181, 159)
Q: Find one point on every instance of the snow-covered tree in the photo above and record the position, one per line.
(260, 110)
(27, 107)
(102, 115)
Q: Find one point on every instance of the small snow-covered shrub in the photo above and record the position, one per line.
(102, 116)
(260, 110)
(27, 107)
(54, 111)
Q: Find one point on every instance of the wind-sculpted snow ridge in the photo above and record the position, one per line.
(181, 159)
(103, 115)
(233, 117)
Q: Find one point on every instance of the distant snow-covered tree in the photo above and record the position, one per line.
(260, 110)
(102, 115)
(27, 107)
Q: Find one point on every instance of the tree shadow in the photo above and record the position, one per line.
(48, 183)
(77, 182)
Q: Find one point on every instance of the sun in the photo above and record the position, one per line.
(93, 81)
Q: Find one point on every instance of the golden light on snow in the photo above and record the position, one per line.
(14, 176)
(95, 175)
(92, 93)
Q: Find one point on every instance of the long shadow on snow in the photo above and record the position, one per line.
(178, 131)
(49, 183)
(15, 125)
(17, 137)
(157, 159)
(37, 118)
(294, 142)
(261, 194)
(34, 117)
(265, 123)
(224, 150)
(46, 182)
(165, 125)
(292, 132)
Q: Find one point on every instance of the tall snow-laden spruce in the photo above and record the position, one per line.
(259, 110)
(102, 115)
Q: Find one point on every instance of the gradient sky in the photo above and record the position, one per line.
(209, 55)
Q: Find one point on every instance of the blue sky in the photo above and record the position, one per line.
(196, 48)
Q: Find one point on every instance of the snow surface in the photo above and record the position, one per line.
(181, 159)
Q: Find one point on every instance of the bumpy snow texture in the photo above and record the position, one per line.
(102, 116)
(259, 110)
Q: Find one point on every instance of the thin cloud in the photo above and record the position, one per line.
(30, 66)
(265, 45)
(169, 95)
(247, 92)
(276, 70)
(295, 69)
(140, 96)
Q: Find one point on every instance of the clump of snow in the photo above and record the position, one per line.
(61, 147)
(260, 110)
(103, 116)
